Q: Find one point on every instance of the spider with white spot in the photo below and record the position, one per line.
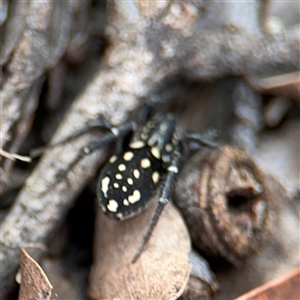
(151, 159)
(143, 161)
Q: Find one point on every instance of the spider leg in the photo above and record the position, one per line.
(87, 150)
(115, 135)
(163, 200)
(96, 124)
(196, 141)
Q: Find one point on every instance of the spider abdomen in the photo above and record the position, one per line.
(130, 178)
(128, 181)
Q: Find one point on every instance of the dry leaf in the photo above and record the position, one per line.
(34, 282)
(162, 270)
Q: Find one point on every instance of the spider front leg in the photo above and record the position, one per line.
(96, 124)
(115, 135)
(166, 192)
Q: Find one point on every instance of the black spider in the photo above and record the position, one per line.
(146, 157)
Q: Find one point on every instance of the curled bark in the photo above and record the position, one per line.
(226, 203)
(34, 283)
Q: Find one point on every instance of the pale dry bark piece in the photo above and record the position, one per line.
(162, 270)
(34, 282)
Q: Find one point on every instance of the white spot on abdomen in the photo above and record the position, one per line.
(104, 185)
(113, 159)
(155, 152)
(128, 155)
(112, 205)
(135, 197)
(145, 163)
(137, 145)
(155, 177)
(119, 176)
(121, 167)
(136, 173)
